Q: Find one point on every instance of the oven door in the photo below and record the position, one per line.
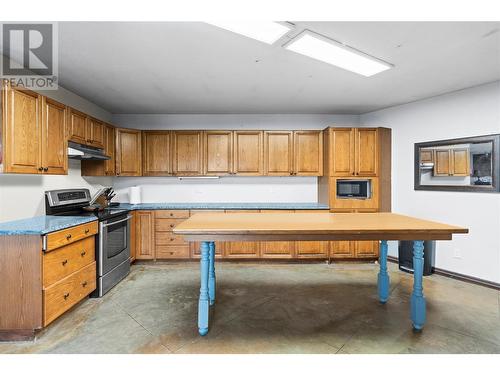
(114, 243)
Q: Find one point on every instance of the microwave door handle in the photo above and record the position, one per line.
(117, 222)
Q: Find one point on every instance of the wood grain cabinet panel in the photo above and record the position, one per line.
(109, 149)
(77, 127)
(442, 162)
(21, 131)
(366, 249)
(54, 146)
(426, 156)
(95, 133)
(461, 162)
(187, 153)
(145, 235)
(218, 146)
(156, 153)
(312, 249)
(68, 236)
(342, 152)
(342, 249)
(242, 249)
(248, 153)
(308, 153)
(366, 152)
(278, 153)
(128, 152)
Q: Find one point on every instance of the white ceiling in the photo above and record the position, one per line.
(193, 67)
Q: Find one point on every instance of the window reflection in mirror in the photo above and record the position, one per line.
(470, 163)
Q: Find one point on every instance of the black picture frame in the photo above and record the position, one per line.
(493, 188)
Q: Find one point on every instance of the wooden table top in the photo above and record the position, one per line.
(312, 227)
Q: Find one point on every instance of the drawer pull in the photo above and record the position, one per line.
(87, 231)
(68, 237)
(171, 214)
(172, 225)
(172, 239)
(64, 262)
(83, 253)
(66, 295)
(84, 284)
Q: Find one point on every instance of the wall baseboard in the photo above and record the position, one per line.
(457, 276)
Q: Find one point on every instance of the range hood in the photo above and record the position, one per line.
(81, 152)
(427, 166)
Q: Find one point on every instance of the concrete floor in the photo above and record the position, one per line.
(275, 308)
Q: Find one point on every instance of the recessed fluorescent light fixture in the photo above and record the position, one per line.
(332, 52)
(265, 31)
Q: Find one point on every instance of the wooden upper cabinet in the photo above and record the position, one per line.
(278, 153)
(95, 133)
(218, 146)
(308, 153)
(426, 156)
(109, 149)
(187, 153)
(144, 235)
(442, 162)
(248, 153)
(77, 127)
(366, 152)
(342, 152)
(461, 162)
(156, 153)
(21, 131)
(54, 146)
(128, 152)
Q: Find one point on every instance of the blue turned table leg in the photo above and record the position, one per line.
(203, 303)
(383, 277)
(417, 297)
(211, 273)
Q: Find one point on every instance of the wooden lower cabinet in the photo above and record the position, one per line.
(154, 239)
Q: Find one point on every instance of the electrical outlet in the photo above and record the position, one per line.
(457, 253)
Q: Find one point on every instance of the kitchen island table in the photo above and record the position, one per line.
(210, 227)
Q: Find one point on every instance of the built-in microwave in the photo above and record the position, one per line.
(354, 189)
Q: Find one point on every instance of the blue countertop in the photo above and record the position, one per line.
(45, 224)
(42, 224)
(224, 206)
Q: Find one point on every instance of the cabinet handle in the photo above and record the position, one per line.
(172, 225)
(83, 253)
(171, 214)
(66, 295)
(40, 169)
(84, 284)
(87, 231)
(68, 237)
(171, 239)
(64, 262)
(45, 169)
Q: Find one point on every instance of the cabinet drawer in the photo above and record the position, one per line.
(172, 214)
(167, 225)
(168, 238)
(61, 296)
(64, 237)
(172, 252)
(64, 261)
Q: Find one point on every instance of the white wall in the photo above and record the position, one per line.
(470, 112)
(21, 196)
(226, 189)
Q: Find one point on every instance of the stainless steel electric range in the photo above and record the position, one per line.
(112, 247)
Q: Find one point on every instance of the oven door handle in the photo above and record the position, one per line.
(116, 222)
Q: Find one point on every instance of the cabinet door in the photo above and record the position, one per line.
(187, 154)
(342, 152)
(218, 152)
(442, 162)
(77, 127)
(54, 145)
(109, 149)
(144, 235)
(366, 249)
(96, 137)
(278, 153)
(133, 235)
(156, 153)
(312, 249)
(277, 249)
(248, 153)
(22, 126)
(366, 152)
(308, 153)
(242, 249)
(128, 152)
(461, 164)
(426, 156)
(342, 249)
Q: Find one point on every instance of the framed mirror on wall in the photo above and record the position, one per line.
(464, 164)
